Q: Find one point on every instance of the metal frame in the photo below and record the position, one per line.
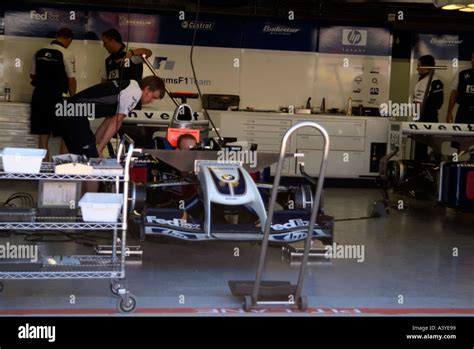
(89, 266)
(314, 212)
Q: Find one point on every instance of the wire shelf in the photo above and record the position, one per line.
(47, 173)
(79, 267)
(59, 226)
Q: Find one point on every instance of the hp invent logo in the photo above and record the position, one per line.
(354, 37)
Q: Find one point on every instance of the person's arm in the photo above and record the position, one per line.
(138, 52)
(33, 70)
(452, 98)
(103, 72)
(452, 103)
(112, 125)
(72, 85)
(70, 68)
(99, 133)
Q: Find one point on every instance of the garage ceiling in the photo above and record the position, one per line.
(418, 15)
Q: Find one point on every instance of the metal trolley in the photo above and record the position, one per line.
(259, 292)
(79, 266)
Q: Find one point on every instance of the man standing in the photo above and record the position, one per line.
(463, 94)
(52, 74)
(112, 100)
(429, 104)
(122, 64)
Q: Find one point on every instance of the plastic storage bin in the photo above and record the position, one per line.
(101, 207)
(22, 160)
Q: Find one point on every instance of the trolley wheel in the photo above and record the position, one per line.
(247, 303)
(303, 303)
(380, 209)
(114, 287)
(127, 307)
(1, 287)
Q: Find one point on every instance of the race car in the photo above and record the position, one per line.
(199, 198)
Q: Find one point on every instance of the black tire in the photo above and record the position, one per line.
(380, 209)
(127, 307)
(303, 303)
(114, 288)
(247, 303)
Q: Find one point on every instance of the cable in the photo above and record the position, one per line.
(35, 237)
(206, 114)
(26, 200)
(354, 219)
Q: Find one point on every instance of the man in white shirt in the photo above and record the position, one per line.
(429, 104)
(435, 95)
(109, 100)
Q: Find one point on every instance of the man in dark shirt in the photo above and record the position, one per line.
(52, 74)
(122, 64)
(463, 94)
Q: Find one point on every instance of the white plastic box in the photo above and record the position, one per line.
(22, 160)
(101, 207)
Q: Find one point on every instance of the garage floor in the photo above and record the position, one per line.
(408, 269)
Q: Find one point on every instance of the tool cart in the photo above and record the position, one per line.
(77, 266)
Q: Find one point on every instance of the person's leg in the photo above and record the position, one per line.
(91, 152)
(80, 140)
(62, 148)
(43, 141)
(39, 124)
(421, 152)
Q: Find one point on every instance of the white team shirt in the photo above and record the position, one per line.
(420, 88)
(129, 98)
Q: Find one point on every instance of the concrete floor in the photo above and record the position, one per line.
(409, 269)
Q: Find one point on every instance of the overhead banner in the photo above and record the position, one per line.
(211, 31)
(2, 23)
(351, 40)
(353, 68)
(132, 27)
(442, 47)
(285, 36)
(44, 22)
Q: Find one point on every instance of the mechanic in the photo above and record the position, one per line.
(463, 94)
(122, 64)
(434, 100)
(108, 99)
(185, 142)
(52, 74)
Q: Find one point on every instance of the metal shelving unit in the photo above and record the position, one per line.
(83, 266)
(59, 226)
